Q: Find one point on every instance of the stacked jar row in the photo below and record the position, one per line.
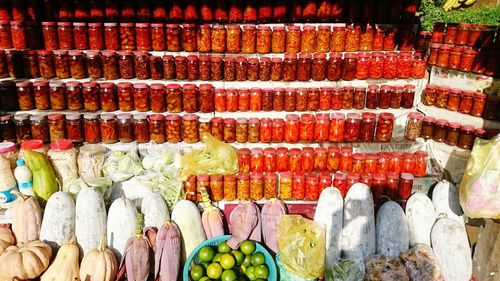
(331, 159)
(112, 65)
(188, 128)
(483, 61)
(247, 39)
(472, 35)
(295, 186)
(175, 98)
(209, 11)
(441, 130)
(466, 102)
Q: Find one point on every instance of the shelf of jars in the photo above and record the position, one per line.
(464, 119)
(463, 80)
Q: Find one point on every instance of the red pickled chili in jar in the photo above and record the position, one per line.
(466, 102)
(111, 36)
(298, 186)
(372, 96)
(49, 31)
(312, 187)
(352, 127)
(295, 160)
(340, 182)
(385, 127)
(376, 67)
(278, 131)
(278, 39)
(80, 35)
(265, 131)
(257, 160)
(307, 159)
(109, 128)
(292, 128)
(337, 124)
(243, 99)
(367, 127)
(143, 36)
(321, 128)
(158, 98)
(478, 105)
(320, 159)
(96, 36)
(348, 97)
(404, 65)
(362, 69)
(391, 66)
(65, 35)
(337, 98)
(325, 99)
(293, 37)
(141, 97)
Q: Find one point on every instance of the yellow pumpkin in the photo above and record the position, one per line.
(65, 266)
(99, 264)
(6, 239)
(25, 261)
(26, 218)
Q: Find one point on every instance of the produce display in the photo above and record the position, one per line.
(238, 140)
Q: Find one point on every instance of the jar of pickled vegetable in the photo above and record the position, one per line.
(248, 39)
(30, 65)
(203, 38)
(385, 94)
(440, 130)
(293, 39)
(74, 129)
(404, 65)
(429, 95)
(301, 99)
(384, 127)
(46, 64)
(349, 66)
(65, 35)
(93, 64)
(125, 128)
(289, 67)
(74, 95)
(58, 96)
(408, 96)
(111, 36)
(452, 134)
(108, 97)
(454, 58)
(80, 35)
(157, 128)
(336, 130)
(442, 97)
(40, 91)
(414, 125)
(334, 71)
(61, 63)
(347, 97)
(362, 70)
(56, 126)
(453, 100)
(390, 66)
(189, 40)
(433, 54)
(466, 59)
(285, 187)
(367, 127)
(156, 68)
(419, 66)
(466, 102)
(110, 65)
(323, 36)
(292, 128)
(109, 128)
(127, 36)
(276, 69)
(478, 105)
(338, 39)
(295, 160)
(278, 130)
(269, 160)
(252, 69)
(307, 128)
(141, 63)
(229, 69)
(243, 99)
(443, 56)
(289, 99)
(126, 64)
(428, 125)
(466, 137)
(372, 96)
(244, 160)
(96, 36)
(304, 67)
(218, 38)
(39, 128)
(263, 40)
(143, 36)
(340, 182)
(257, 160)
(14, 61)
(345, 159)
(352, 126)
(77, 65)
(278, 39)
(49, 31)
(359, 97)
(206, 95)
(25, 95)
(190, 128)
(352, 38)
(319, 67)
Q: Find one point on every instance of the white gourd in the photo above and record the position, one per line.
(421, 216)
(90, 220)
(446, 201)
(58, 225)
(329, 212)
(451, 245)
(121, 225)
(392, 230)
(155, 210)
(188, 218)
(358, 232)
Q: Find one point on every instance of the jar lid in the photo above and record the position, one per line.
(90, 115)
(121, 84)
(409, 87)
(107, 116)
(21, 117)
(382, 155)
(319, 150)
(373, 87)
(455, 91)
(386, 87)
(429, 119)
(43, 52)
(158, 86)
(257, 150)
(254, 121)
(339, 28)
(7, 147)
(392, 175)
(371, 156)
(266, 121)
(124, 116)
(286, 175)
(29, 52)
(140, 53)
(269, 150)
(470, 51)
(309, 27)
(391, 54)
(106, 85)
(398, 155)
(292, 117)
(255, 175)
(23, 84)
(55, 116)
(31, 144)
(295, 151)
(354, 116)
(445, 47)
(73, 84)
(95, 24)
(180, 58)
(421, 153)
(255, 90)
(278, 121)
(454, 125)
(189, 86)
(243, 151)
(397, 88)
(242, 120)
(79, 24)
(324, 27)
(312, 178)
(350, 56)
(12, 51)
(338, 116)
(190, 117)
(322, 116)
(290, 56)
(308, 150)
(339, 176)
(416, 115)
(110, 24)
(293, 27)
(206, 86)
(126, 24)
(249, 27)
(142, 24)
(407, 176)
(172, 117)
(73, 116)
(457, 49)
(441, 122)
(253, 60)
(106, 53)
(480, 95)
(140, 85)
(352, 176)
(307, 117)
(368, 115)
(481, 132)
(270, 176)
(364, 55)
(334, 149)
(61, 144)
(125, 53)
(360, 89)
(156, 117)
(282, 150)
(263, 27)
(203, 177)
(229, 178)
(46, 22)
(366, 176)
(359, 156)
(229, 121)
(335, 55)
(218, 26)
(172, 86)
(91, 54)
(408, 155)
(56, 84)
(61, 23)
(379, 177)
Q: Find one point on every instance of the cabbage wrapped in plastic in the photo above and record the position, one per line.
(167, 184)
(344, 270)
(215, 158)
(162, 159)
(101, 184)
(121, 166)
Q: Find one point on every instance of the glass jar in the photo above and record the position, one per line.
(257, 160)
(306, 129)
(107, 96)
(93, 64)
(385, 94)
(127, 36)
(218, 38)
(278, 130)
(319, 67)
(58, 96)
(65, 35)
(347, 97)
(22, 127)
(125, 128)
(452, 134)
(203, 38)
(362, 69)
(429, 95)
(466, 59)
(443, 56)
(109, 128)
(7, 129)
(466, 102)
(293, 37)
(206, 96)
(454, 58)
(141, 63)
(269, 160)
(276, 69)
(466, 137)
(372, 96)
(110, 65)
(244, 160)
(91, 128)
(478, 105)
(384, 127)
(428, 125)
(264, 69)
(323, 36)
(440, 129)
(61, 63)
(14, 61)
(345, 159)
(405, 186)
(143, 36)
(248, 39)
(321, 127)
(46, 64)
(141, 97)
(126, 64)
(204, 68)
(96, 36)
(390, 66)
(442, 97)
(174, 98)
(278, 39)
(367, 127)
(77, 65)
(111, 36)
(419, 66)
(334, 72)
(56, 126)
(80, 35)
(359, 97)
(285, 188)
(74, 95)
(290, 99)
(338, 39)
(404, 65)
(25, 95)
(156, 68)
(190, 128)
(292, 128)
(289, 67)
(229, 187)
(308, 39)
(453, 100)
(30, 64)
(295, 160)
(352, 124)
(40, 128)
(301, 99)
(157, 128)
(352, 38)
(49, 31)
(303, 67)
(336, 131)
(349, 66)
(263, 40)
(414, 125)
(173, 126)
(243, 99)
(408, 96)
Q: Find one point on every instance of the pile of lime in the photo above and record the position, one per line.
(224, 264)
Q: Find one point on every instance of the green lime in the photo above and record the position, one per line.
(197, 272)
(247, 247)
(227, 261)
(204, 278)
(262, 271)
(247, 261)
(214, 271)
(217, 257)
(205, 264)
(240, 257)
(206, 253)
(224, 248)
(258, 259)
(229, 275)
(250, 273)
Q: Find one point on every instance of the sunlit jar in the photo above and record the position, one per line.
(257, 160)
(362, 70)
(466, 102)
(216, 187)
(383, 162)
(203, 38)
(307, 122)
(325, 98)
(359, 97)
(141, 65)
(408, 163)
(295, 160)
(264, 69)
(366, 38)
(265, 130)
(452, 134)
(189, 40)
(451, 34)
(93, 64)
(157, 128)
(433, 54)
(56, 126)
(345, 164)
(49, 31)
(292, 128)
(334, 70)
(454, 58)
(367, 127)
(389, 39)
(190, 128)
(340, 182)
(290, 98)
(181, 72)
(349, 66)
(404, 65)
(347, 97)
(419, 66)
(385, 126)
(336, 130)
(270, 185)
(278, 39)
(80, 36)
(301, 99)
(65, 35)
(218, 38)
(127, 36)
(293, 38)
(173, 126)
(290, 67)
(466, 137)
(189, 98)
(352, 38)
(352, 178)
(453, 102)
(377, 186)
(307, 159)
(61, 63)
(312, 189)
(440, 130)
(91, 128)
(74, 95)
(190, 188)
(391, 65)
(241, 129)
(478, 105)
(372, 96)
(40, 93)
(466, 59)
(90, 93)
(285, 187)
(58, 96)
(243, 99)
(429, 95)
(352, 127)
(111, 36)
(229, 130)
(141, 97)
(96, 36)
(319, 67)
(206, 96)
(276, 69)
(323, 36)
(358, 163)
(253, 130)
(443, 56)
(244, 160)
(266, 99)
(320, 159)
(233, 38)
(74, 129)
(308, 39)
(391, 185)
(278, 130)
(204, 68)
(405, 186)
(396, 96)
(263, 40)
(143, 36)
(110, 65)
(269, 160)
(442, 97)
(77, 65)
(229, 69)
(321, 128)
(230, 99)
(25, 95)
(256, 186)
(420, 164)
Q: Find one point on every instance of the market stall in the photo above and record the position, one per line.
(233, 140)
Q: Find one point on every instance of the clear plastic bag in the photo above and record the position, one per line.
(301, 244)
(422, 264)
(479, 189)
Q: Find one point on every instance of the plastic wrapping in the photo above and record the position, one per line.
(422, 264)
(301, 245)
(90, 161)
(479, 189)
(122, 165)
(380, 268)
(344, 270)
